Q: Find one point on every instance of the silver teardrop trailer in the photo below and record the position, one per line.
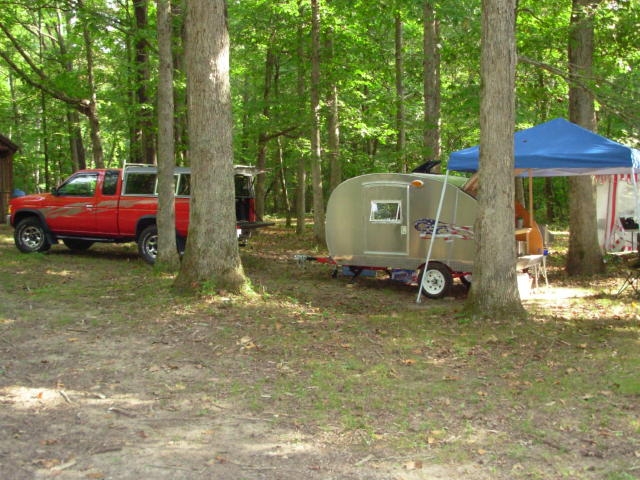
(385, 221)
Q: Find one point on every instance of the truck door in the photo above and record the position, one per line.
(72, 208)
(107, 208)
(386, 223)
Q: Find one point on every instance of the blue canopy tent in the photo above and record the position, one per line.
(554, 149)
(559, 148)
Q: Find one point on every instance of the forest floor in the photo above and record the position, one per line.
(106, 374)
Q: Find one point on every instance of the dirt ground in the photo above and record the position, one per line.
(95, 384)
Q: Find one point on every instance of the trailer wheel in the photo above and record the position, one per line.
(148, 244)
(30, 236)
(436, 281)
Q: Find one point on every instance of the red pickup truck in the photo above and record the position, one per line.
(116, 205)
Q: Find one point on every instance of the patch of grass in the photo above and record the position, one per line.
(359, 362)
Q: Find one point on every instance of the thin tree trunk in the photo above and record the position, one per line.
(283, 181)
(263, 137)
(180, 109)
(400, 114)
(333, 122)
(143, 147)
(168, 258)
(584, 256)
(549, 200)
(76, 145)
(92, 108)
(316, 155)
(301, 171)
(45, 141)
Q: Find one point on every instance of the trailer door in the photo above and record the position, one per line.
(386, 227)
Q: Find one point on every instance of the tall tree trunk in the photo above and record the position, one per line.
(301, 171)
(549, 200)
(143, 149)
(263, 136)
(432, 97)
(180, 108)
(168, 258)
(584, 256)
(400, 115)
(282, 172)
(333, 122)
(91, 109)
(495, 290)
(76, 145)
(316, 155)
(211, 257)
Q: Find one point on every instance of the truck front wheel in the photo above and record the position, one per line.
(148, 244)
(30, 236)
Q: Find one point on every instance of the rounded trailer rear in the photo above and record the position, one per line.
(385, 221)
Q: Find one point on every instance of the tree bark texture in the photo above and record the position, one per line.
(143, 149)
(211, 258)
(584, 256)
(263, 136)
(301, 171)
(333, 122)
(316, 155)
(432, 120)
(494, 291)
(401, 132)
(167, 251)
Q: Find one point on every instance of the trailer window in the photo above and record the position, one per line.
(386, 211)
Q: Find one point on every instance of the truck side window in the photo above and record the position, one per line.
(110, 182)
(184, 185)
(140, 184)
(83, 185)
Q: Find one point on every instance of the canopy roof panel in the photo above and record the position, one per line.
(558, 148)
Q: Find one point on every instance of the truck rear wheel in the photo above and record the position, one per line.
(436, 281)
(30, 236)
(148, 244)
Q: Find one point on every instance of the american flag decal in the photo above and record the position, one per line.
(446, 231)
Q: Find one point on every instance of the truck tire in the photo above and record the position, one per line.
(76, 244)
(30, 236)
(148, 244)
(437, 280)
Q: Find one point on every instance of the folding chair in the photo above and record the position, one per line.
(632, 276)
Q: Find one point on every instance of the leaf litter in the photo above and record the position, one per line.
(105, 376)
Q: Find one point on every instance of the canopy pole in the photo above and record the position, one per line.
(634, 181)
(530, 198)
(433, 234)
